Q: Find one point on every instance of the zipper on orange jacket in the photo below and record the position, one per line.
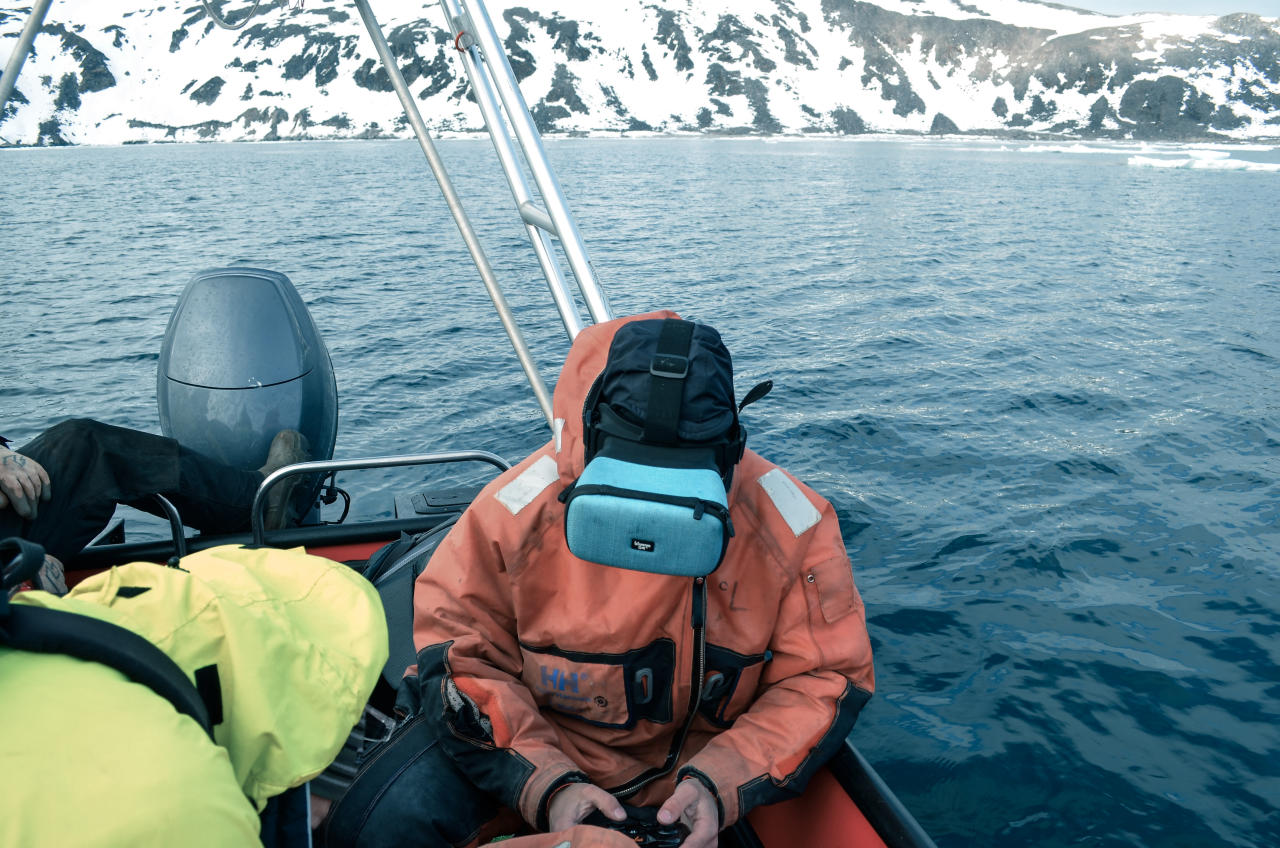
(698, 619)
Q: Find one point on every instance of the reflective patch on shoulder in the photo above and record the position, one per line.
(520, 492)
(557, 429)
(790, 502)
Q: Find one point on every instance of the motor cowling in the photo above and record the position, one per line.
(242, 360)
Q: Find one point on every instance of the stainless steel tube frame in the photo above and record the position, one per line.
(504, 80)
(23, 48)
(478, 256)
(331, 465)
(538, 224)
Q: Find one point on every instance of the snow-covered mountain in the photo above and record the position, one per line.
(124, 71)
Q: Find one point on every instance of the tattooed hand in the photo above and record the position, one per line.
(23, 483)
(51, 578)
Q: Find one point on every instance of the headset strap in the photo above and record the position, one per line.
(668, 370)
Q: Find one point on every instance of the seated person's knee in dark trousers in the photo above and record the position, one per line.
(91, 467)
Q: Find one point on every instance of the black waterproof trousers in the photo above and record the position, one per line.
(408, 792)
(94, 466)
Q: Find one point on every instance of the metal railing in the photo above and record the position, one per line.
(504, 109)
(540, 391)
(258, 509)
(493, 82)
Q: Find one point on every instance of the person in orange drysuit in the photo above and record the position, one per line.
(557, 687)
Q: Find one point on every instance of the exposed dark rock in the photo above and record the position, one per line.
(94, 73)
(1167, 107)
(647, 64)
(1225, 119)
(762, 119)
(522, 62)
(267, 32)
(273, 117)
(568, 40)
(792, 43)
(1085, 62)
(564, 90)
(1099, 112)
(613, 101)
(942, 125)
(1039, 110)
(68, 93)
(847, 122)
(16, 99)
(439, 75)
(670, 35)
(208, 92)
(729, 34)
(755, 62)
(51, 134)
(373, 76)
(204, 129)
(545, 117)
(723, 82)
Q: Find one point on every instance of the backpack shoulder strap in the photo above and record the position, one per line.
(49, 631)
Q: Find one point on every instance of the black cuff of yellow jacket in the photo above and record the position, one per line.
(689, 772)
(544, 804)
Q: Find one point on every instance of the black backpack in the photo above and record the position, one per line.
(392, 570)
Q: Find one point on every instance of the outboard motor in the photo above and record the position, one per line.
(241, 361)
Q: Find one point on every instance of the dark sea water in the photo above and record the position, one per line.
(1039, 384)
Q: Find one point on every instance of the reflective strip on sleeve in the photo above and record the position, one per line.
(790, 502)
(520, 492)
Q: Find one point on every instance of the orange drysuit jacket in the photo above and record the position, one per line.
(544, 669)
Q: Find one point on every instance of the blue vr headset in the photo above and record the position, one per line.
(659, 453)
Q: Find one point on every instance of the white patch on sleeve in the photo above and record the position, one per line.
(790, 502)
(520, 492)
(557, 428)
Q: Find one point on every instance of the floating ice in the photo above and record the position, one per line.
(1207, 161)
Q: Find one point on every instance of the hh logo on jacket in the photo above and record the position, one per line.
(558, 680)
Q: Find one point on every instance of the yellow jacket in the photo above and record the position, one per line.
(297, 643)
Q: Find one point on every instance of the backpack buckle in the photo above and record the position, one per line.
(669, 365)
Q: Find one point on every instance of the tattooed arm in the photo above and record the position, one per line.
(23, 483)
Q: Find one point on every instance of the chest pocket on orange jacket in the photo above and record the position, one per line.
(607, 690)
(730, 684)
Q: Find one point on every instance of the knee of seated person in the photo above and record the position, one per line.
(74, 431)
(426, 802)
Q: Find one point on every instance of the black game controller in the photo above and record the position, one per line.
(642, 826)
